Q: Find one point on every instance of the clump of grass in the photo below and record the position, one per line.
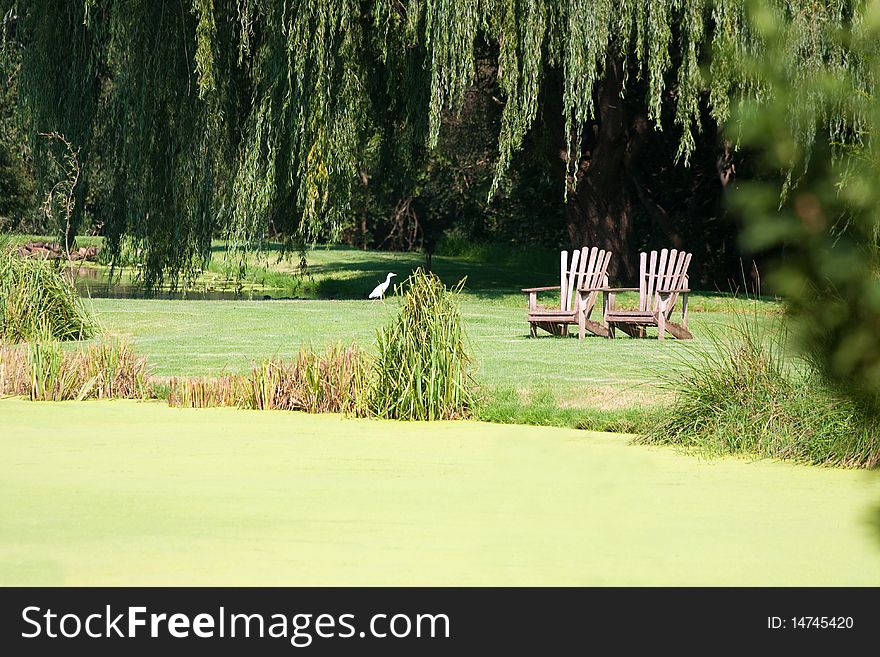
(114, 370)
(15, 375)
(506, 406)
(44, 371)
(334, 381)
(422, 369)
(638, 420)
(53, 377)
(743, 396)
(36, 300)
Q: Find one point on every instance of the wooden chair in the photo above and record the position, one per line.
(661, 281)
(579, 285)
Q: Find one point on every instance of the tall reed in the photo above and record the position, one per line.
(423, 365)
(44, 371)
(330, 382)
(52, 376)
(114, 370)
(37, 300)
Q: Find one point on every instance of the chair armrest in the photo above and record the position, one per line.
(528, 290)
(612, 289)
(681, 291)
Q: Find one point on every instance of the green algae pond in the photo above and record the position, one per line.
(136, 493)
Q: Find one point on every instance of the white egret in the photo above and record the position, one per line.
(379, 291)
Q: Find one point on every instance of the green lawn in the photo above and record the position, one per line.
(561, 378)
(126, 493)
(183, 337)
(207, 337)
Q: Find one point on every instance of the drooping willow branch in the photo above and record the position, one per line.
(197, 118)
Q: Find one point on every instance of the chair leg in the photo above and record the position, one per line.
(661, 326)
(582, 326)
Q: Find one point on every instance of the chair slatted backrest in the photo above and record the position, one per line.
(666, 271)
(587, 269)
(596, 276)
(566, 277)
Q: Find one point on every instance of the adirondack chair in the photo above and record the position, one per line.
(661, 281)
(580, 281)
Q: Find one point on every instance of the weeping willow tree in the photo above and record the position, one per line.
(195, 118)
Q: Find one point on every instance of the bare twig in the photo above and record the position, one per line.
(65, 187)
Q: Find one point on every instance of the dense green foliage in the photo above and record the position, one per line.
(188, 120)
(235, 115)
(824, 233)
(17, 198)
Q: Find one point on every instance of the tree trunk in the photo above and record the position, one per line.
(600, 203)
(365, 181)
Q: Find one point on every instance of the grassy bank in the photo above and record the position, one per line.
(127, 493)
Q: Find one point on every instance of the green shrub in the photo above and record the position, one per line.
(422, 369)
(744, 396)
(37, 301)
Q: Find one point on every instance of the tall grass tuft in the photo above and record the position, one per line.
(743, 396)
(206, 392)
(330, 382)
(43, 371)
(114, 370)
(36, 300)
(15, 374)
(53, 378)
(422, 370)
